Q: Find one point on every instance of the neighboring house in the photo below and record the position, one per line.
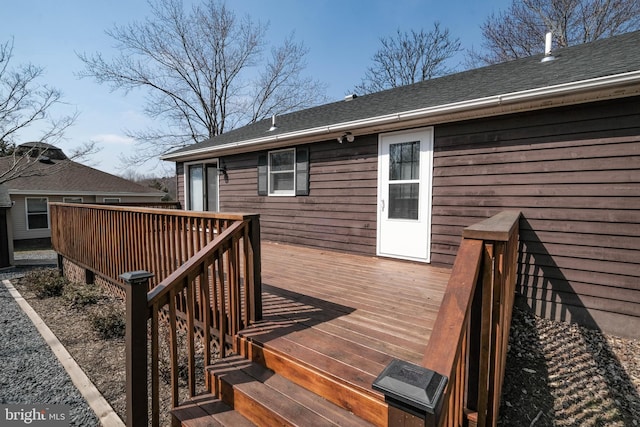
(6, 243)
(52, 177)
(401, 172)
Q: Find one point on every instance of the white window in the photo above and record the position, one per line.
(112, 200)
(72, 199)
(282, 172)
(37, 213)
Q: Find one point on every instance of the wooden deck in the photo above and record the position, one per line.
(345, 315)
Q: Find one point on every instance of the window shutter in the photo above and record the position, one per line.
(302, 171)
(263, 187)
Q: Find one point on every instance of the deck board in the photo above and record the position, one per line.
(346, 313)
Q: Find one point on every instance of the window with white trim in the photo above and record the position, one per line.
(111, 200)
(282, 172)
(37, 213)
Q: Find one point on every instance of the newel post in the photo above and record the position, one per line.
(256, 289)
(415, 394)
(137, 314)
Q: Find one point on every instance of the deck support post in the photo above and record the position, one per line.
(60, 264)
(415, 394)
(137, 314)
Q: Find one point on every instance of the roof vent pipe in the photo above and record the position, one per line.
(273, 123)
(547, 48)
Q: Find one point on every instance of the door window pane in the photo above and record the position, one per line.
(404, 161)
(403, 201)
(196, 187)
(212, 188)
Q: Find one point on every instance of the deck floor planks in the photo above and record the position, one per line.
(345, 314)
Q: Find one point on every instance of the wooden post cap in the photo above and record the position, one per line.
(137, 276)
(410, 386)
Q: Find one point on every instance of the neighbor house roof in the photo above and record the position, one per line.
(603, 69)
(69, 177)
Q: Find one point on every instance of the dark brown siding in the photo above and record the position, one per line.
(339, 213)
(180, 184)
(573, 172)
(575, 175)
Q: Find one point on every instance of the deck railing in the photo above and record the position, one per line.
(111, 240)
(468, 346)
(197, 270)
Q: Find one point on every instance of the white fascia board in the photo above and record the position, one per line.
(584, 91)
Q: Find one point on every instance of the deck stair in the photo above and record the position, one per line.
(246, 393)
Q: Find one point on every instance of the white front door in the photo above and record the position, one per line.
(404, 194)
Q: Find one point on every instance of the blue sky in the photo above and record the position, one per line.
(341, 35)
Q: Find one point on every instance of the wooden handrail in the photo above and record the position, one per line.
(468, 345)
(442, 351)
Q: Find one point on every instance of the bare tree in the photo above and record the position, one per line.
(409, 57)
(519, 32)
(204, 72)
(25, 104)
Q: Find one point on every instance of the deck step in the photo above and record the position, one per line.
(207, 410)
(268, 399)
(343, 385)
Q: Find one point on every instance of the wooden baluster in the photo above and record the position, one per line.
(215, 291)
(190, 311)
(222, 321)
(173, 347)
(206, 301)
(155, 371)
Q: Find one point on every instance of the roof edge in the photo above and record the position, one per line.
(81, 193)
(590, 89)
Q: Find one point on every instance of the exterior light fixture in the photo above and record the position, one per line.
(222, 171)
(348, 136)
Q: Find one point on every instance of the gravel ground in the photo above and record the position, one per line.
(30, 373)
(561, 374)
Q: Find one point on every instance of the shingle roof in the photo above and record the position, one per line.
(67, 176)
(608, 57)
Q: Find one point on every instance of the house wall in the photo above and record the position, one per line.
(19, 221)
(575, 175)
(340, 211)
(573, 172)
(19, 215)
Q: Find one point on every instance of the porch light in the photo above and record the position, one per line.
(348, 136)
(222, 171)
